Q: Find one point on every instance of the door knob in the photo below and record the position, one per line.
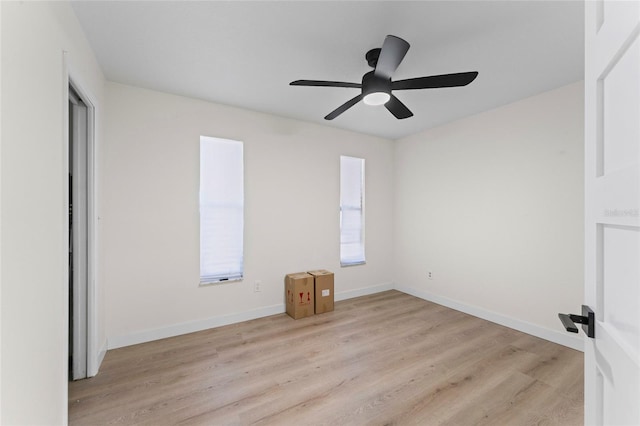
(587, 319)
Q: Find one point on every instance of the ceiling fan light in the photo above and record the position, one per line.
(376, 98)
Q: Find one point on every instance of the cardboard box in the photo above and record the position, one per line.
(323, 283)
(298, 291)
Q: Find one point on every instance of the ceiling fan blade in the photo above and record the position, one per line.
(342, 108)
(392, 52)
(435, 81)
(322, 83)
(397, 108)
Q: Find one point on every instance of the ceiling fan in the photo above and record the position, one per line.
(377, 86)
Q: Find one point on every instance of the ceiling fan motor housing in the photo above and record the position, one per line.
(374, 84)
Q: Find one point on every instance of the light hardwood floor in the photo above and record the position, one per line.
(383, 359)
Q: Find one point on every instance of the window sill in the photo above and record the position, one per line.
(346, 265)
(223, 282)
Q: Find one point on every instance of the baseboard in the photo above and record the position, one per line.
(100, 358)
(571, 341)
(103, 352)
(94, 359)
(350, 294)
(192, 326)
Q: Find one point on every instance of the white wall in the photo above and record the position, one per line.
(493, 205)
(34, 211)
(150, 216)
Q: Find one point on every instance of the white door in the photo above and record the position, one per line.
(612, 203)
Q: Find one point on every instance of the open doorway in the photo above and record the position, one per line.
(79, 196)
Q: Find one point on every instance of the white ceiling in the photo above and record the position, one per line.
(245, 54)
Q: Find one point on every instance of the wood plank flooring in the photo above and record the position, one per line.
(384, 359)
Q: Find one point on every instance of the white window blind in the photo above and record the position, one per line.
(351, 211)
(221, 209)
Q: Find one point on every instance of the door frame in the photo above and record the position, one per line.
(72, 78)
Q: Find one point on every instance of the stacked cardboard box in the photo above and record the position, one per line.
(300, 295)
(307, 293)
(323, 283)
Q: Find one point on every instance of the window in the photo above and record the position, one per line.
(351, 211)
(221, 210)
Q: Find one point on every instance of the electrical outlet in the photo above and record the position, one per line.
(257, 286)
(430, 275)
